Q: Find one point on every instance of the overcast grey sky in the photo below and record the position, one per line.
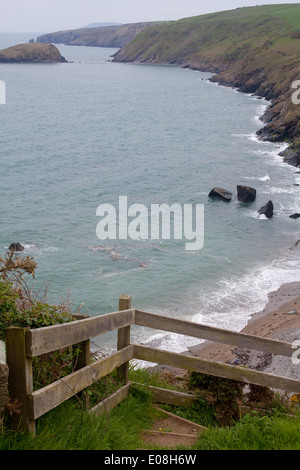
(55, 15)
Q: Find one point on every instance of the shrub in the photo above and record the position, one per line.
(21, 306)
(223, 395)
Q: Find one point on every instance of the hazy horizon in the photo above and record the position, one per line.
(55, 15)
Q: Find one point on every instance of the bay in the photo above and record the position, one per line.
(77, 135)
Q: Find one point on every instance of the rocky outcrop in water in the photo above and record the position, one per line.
(31, 53)
(16, 247)
(246, 194)
(267, 210)
(220, 194)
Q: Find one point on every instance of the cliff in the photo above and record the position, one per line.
(31, 53)
(255, 49)
(104, 36)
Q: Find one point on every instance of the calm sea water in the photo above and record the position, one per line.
(77, 135)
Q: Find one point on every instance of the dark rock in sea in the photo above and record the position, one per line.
(16, 247)
(291, 155)
(267, 210)
(221, 194)
(246, 194)
(295, 216)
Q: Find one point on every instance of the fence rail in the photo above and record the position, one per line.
(23, 344)
(45, 340)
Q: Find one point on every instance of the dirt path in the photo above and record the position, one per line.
(170, 431)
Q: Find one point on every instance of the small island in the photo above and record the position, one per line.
(31, 53)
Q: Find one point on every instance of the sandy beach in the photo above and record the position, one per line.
(280, 319)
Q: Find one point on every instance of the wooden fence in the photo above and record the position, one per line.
(24, 344)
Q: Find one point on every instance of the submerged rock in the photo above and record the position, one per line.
(295, 216)
(246, 194)
(267, 210)
(221, 194)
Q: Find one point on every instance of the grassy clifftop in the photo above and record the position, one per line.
(256, 49)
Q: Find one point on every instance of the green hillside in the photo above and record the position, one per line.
(256, 49)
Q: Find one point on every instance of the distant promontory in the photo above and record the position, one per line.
(103, 36)
(31, 53)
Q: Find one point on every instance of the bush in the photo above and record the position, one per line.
(21, 306)
(223, 395)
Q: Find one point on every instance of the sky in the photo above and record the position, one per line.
(46, 16)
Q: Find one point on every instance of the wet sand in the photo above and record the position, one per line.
(280, 320)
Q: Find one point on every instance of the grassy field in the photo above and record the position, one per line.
(215, 39)
(289, 12)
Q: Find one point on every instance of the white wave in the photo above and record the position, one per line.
(261, 111)
(33, 248)
(236, 299)
(248, 136)
(207, 80)
(39, 250)
(288, 208)
(30, 246)
(278, 190)
(230, 305)
(258, 178)
(272, 155)
(256, 215)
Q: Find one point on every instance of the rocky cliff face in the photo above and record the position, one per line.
(31, 53)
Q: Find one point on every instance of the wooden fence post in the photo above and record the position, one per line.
(20, 382)
(83, 358)
(124, 337)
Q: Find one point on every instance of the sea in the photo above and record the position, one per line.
(81, 134)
